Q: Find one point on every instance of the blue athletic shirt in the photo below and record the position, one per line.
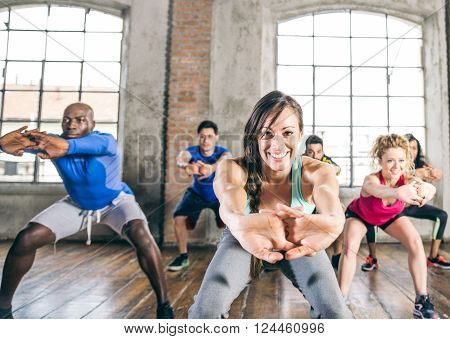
(91, 170)
(205, 187)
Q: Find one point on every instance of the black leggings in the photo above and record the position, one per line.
(428, 212)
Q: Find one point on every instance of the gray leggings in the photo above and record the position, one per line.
(229, 273)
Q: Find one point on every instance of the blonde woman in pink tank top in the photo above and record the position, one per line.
(383, 197)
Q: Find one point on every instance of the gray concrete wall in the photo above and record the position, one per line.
(243, 67)
(145, 30)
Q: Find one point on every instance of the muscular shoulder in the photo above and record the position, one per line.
(231, 172)
(314, 169)
(372, 178)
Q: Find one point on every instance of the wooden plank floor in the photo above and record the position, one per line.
(104, 281)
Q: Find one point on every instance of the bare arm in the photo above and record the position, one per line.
(314, 232)
(183, 159)
(407, 193)
(229, 186)
(258, 233)
(326, 198)
(373, 187)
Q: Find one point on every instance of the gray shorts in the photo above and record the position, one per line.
(65, 217)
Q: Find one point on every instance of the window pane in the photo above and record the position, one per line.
(48, 172)
(406, 81)
(298, 26)
(369, 52)
(3, 44)
(332, 81)
(336, 140)
(66, 19)
(4, 14)
(65, 46)
(16, 169)
(21, 105)
(332, 24)
(369, 81)
(101, 22)
(102, 46)
(295, 51)
(332, 111)
(406, 111)
(344, 176)
(52, 127)
(107, 128)
(405, 52)
(361, 168)
(30, 18)
(307, 131)
(54, 103)
(366, 24)
(26, 45)
(23, 75)
(397, 28)
(105, 105)
(369, 111)
(306, 104)
(295, 79)
(101, 76)
(62, 76)
(332, 51)
(363, 138)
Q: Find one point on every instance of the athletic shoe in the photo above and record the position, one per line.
(370, 264)
(424, 309)
(6, 313)
(164, 311)
(335, 260)
(179, 263)
(439, 261)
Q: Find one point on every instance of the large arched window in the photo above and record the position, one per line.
(52, 56)
(357, 75)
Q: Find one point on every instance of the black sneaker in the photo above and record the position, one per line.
(370, 264)
(164, 311)
(6, 313)
(424, 309)
(335, 261)
(439, 262)
(180, 262)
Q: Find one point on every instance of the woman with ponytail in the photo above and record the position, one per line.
(267, 199)
(383, 197)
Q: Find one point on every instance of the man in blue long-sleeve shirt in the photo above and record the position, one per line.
(89, 164)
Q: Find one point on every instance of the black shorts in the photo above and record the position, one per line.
(350, 214)
(192, 204)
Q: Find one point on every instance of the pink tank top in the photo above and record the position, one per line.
(372, 209)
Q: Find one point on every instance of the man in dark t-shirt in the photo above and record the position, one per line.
(201, 162)
(314, 149)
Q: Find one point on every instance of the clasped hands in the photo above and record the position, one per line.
(299, 234)
(21, 140)
(199, 168)
(415, 193)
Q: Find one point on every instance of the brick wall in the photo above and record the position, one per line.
(188, 95)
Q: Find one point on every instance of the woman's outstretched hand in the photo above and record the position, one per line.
(309, 233)
(261, 233)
